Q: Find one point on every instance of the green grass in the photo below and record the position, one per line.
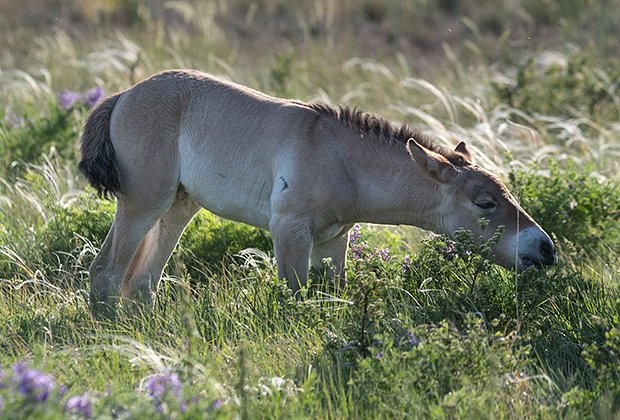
(435, 331)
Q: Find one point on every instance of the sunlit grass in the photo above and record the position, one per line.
(427, 333)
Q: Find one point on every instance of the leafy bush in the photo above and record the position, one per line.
(208, 239)
(572, 205)
(27, 138)
(88, 218)
(481, 331)
(439, 370)
(54, 237)
(604, 359)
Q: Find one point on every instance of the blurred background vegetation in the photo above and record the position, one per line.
(377, 26)
(243, 33)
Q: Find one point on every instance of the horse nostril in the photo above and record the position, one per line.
(547, 252)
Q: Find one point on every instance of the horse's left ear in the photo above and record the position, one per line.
(462, 149)
(432, 164)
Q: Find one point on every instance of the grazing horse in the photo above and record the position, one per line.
(181, 140)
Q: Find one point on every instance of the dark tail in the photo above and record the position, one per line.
(97, 163)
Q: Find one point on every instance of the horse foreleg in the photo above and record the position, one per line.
(292, 242)
(335, 249)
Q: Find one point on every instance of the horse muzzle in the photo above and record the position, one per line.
(535, 248)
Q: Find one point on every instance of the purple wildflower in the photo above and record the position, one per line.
(355, 233)
(384, 254)
(413, 340)
(32, 383)
(2, 376)
(14, 120)
(93, 96)
(68, 99)
(379, 355)
(1, 403)
(450, 250)
(158, 385)
(217, 404)
(406, 264)
(187, 403)
(358, 249)
(80, 405)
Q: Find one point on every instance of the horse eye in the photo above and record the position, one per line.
(486, 205)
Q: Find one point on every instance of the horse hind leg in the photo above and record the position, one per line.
(107, 271)
(144, 272)
(144, 136)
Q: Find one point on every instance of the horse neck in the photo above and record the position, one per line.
(390, 188)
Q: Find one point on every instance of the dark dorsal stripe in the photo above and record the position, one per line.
(382, 129)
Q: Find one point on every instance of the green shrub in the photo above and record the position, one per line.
(452, 276)
(572, 205)
(604, 359)
(34, 134)
(439, 370)
(87, 219)
(515, 332)
(209, 239)
(57, 239)
(205, 244)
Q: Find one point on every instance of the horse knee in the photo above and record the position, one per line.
(292, 246)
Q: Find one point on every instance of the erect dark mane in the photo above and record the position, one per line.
(384, 130)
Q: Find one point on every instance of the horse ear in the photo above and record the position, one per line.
(462, 149)
(432, 164)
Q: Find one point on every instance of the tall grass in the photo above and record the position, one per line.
(428, 329)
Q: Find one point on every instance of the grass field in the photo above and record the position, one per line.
(426, 327)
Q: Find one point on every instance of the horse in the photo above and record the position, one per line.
(182, 140)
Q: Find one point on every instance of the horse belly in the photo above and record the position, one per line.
(228, 192)
(235, 206)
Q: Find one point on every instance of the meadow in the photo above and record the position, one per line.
(427, 327)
